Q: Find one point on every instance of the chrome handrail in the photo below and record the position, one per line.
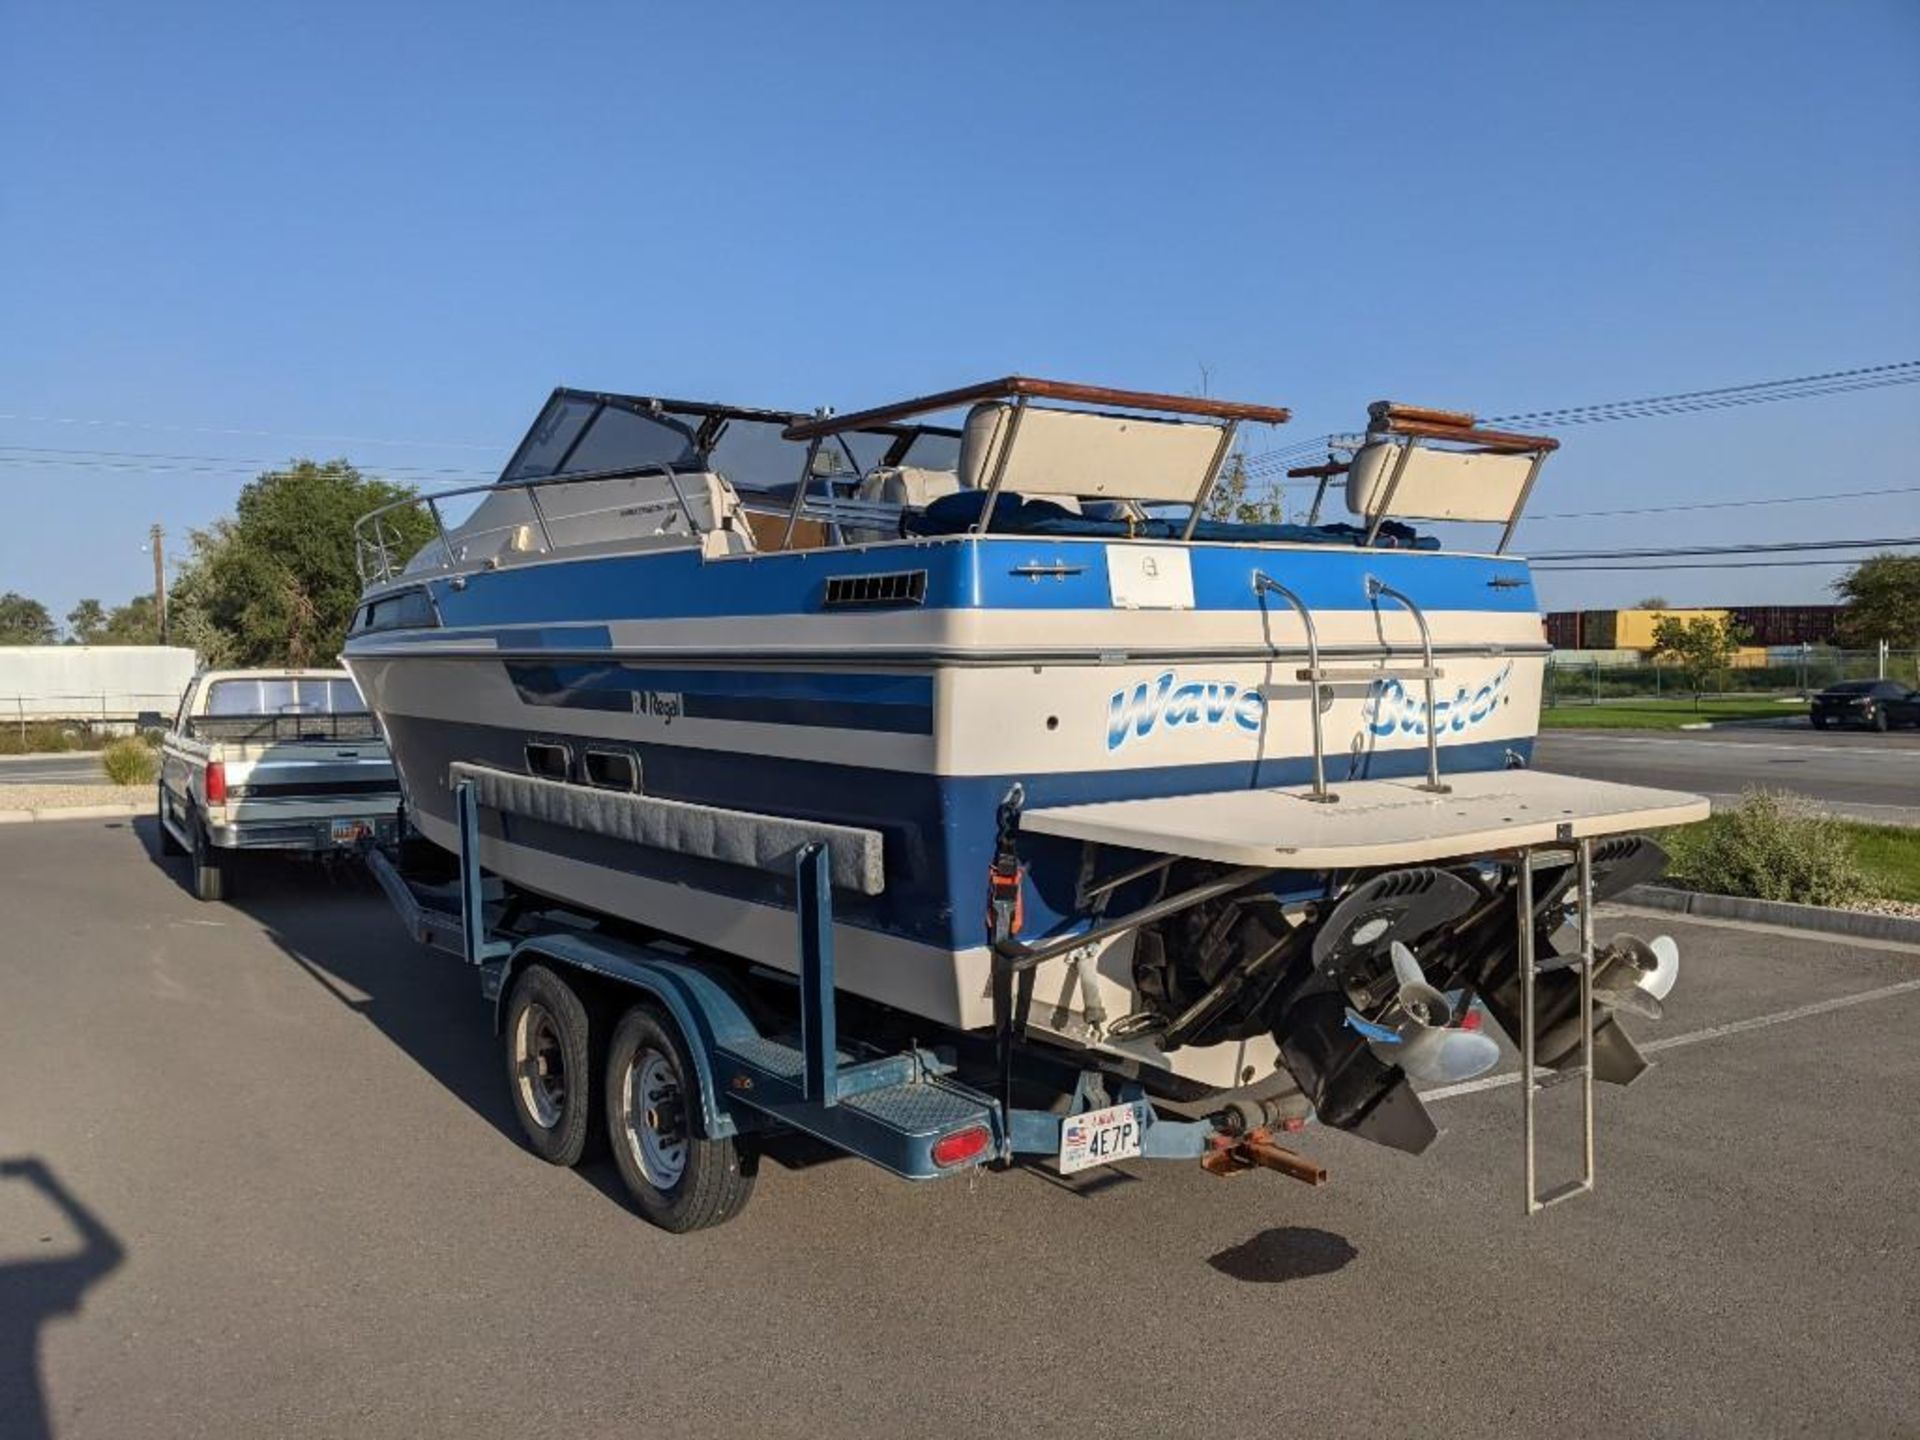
(373, 546)
(1378, 589)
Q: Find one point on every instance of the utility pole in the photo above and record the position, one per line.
(157, 536)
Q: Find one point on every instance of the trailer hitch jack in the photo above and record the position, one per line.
(1235, 1154)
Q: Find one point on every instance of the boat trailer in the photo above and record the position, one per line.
(752, 1069)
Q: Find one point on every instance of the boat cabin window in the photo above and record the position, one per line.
(549, 759)
(408, 610)
(613, 769)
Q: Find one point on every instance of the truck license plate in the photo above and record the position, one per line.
(350, 832)
(1100, 1137)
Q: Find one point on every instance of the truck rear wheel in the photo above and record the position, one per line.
(212, 871)
(678, 1180)
(549, 1050)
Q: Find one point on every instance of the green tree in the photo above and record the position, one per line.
(276, 584)
(1882, 596)
(133, 623)
(1701, 645)
(25, 622)
(85, 622)
(1654, 602)
(1235, 499)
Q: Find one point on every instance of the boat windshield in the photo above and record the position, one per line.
(585, 434)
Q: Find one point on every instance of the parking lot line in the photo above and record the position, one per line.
(1694, 1037)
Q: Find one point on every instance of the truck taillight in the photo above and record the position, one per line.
(217, 783)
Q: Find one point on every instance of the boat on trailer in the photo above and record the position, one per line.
(1239, 814)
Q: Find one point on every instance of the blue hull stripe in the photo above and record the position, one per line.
(938, 831)
(961, 575)
(898, 704)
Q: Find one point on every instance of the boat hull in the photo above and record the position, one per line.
(917, 726)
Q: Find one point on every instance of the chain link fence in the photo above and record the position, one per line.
(1593, 681)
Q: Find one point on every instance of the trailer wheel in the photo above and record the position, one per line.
(212, 871)
(550, 1065)
(678, 1180)
(168, 845)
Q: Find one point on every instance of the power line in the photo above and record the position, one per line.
(214, 465)
(1728, 504)
(258, 434)
(1698, 565)
(1902, 372)
(1779, 547)
(1758, 392)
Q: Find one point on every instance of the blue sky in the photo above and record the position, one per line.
(408, 222)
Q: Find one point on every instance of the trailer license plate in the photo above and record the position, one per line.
(1100, 1137)
(350, 832)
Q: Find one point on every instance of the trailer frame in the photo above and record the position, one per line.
(911, 1110)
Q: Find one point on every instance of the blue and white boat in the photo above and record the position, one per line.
(1229, 809)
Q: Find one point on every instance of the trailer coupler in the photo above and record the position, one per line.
(1237, 1154)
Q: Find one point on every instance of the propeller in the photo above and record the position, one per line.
(1635, 975)
(1416, 1031)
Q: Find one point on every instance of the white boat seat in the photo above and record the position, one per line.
(1436, 484)
(907, 485)
(1063, 455)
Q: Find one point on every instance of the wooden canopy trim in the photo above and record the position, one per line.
(1016, 386)
(1422, 423)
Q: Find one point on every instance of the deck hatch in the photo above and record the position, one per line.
(896, 589)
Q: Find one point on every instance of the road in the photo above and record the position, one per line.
(1855, 773)
(257, 1177)
(78, 768)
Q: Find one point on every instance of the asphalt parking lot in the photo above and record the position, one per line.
(257, 1177)
(1856, 773)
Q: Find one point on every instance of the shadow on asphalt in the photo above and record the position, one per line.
(334, 924)
(1288, 1252)
(35, 1291)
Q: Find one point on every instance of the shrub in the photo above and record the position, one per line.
(1773, 847)
(43, 737)
(129, 761)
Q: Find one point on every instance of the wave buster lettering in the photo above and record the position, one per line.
(1396, 708)
(1136, 713)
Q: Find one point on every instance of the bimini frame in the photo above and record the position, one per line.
(1023, 389)
(1411, 424)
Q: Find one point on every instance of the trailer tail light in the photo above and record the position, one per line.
(961, 1146)
(217, 783)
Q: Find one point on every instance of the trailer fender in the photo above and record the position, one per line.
(703, 1007)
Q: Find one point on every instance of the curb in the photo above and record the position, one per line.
(1856, 924)
(1762, 722)
(72, 812)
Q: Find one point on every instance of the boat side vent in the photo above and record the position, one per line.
(895, 589)
(549, 759)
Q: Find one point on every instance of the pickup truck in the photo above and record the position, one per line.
(285, 760)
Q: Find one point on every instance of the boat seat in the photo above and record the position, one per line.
(907, 485)
(1068, 455)
(1435, 484)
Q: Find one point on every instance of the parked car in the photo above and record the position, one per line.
(1876, 704)
(286, 760)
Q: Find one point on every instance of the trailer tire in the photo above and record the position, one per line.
(548, 1044)
(212, 871)
(168, 845)
(679, 1180)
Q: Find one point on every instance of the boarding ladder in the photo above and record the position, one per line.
(1315, 675)
(1532, 1079)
